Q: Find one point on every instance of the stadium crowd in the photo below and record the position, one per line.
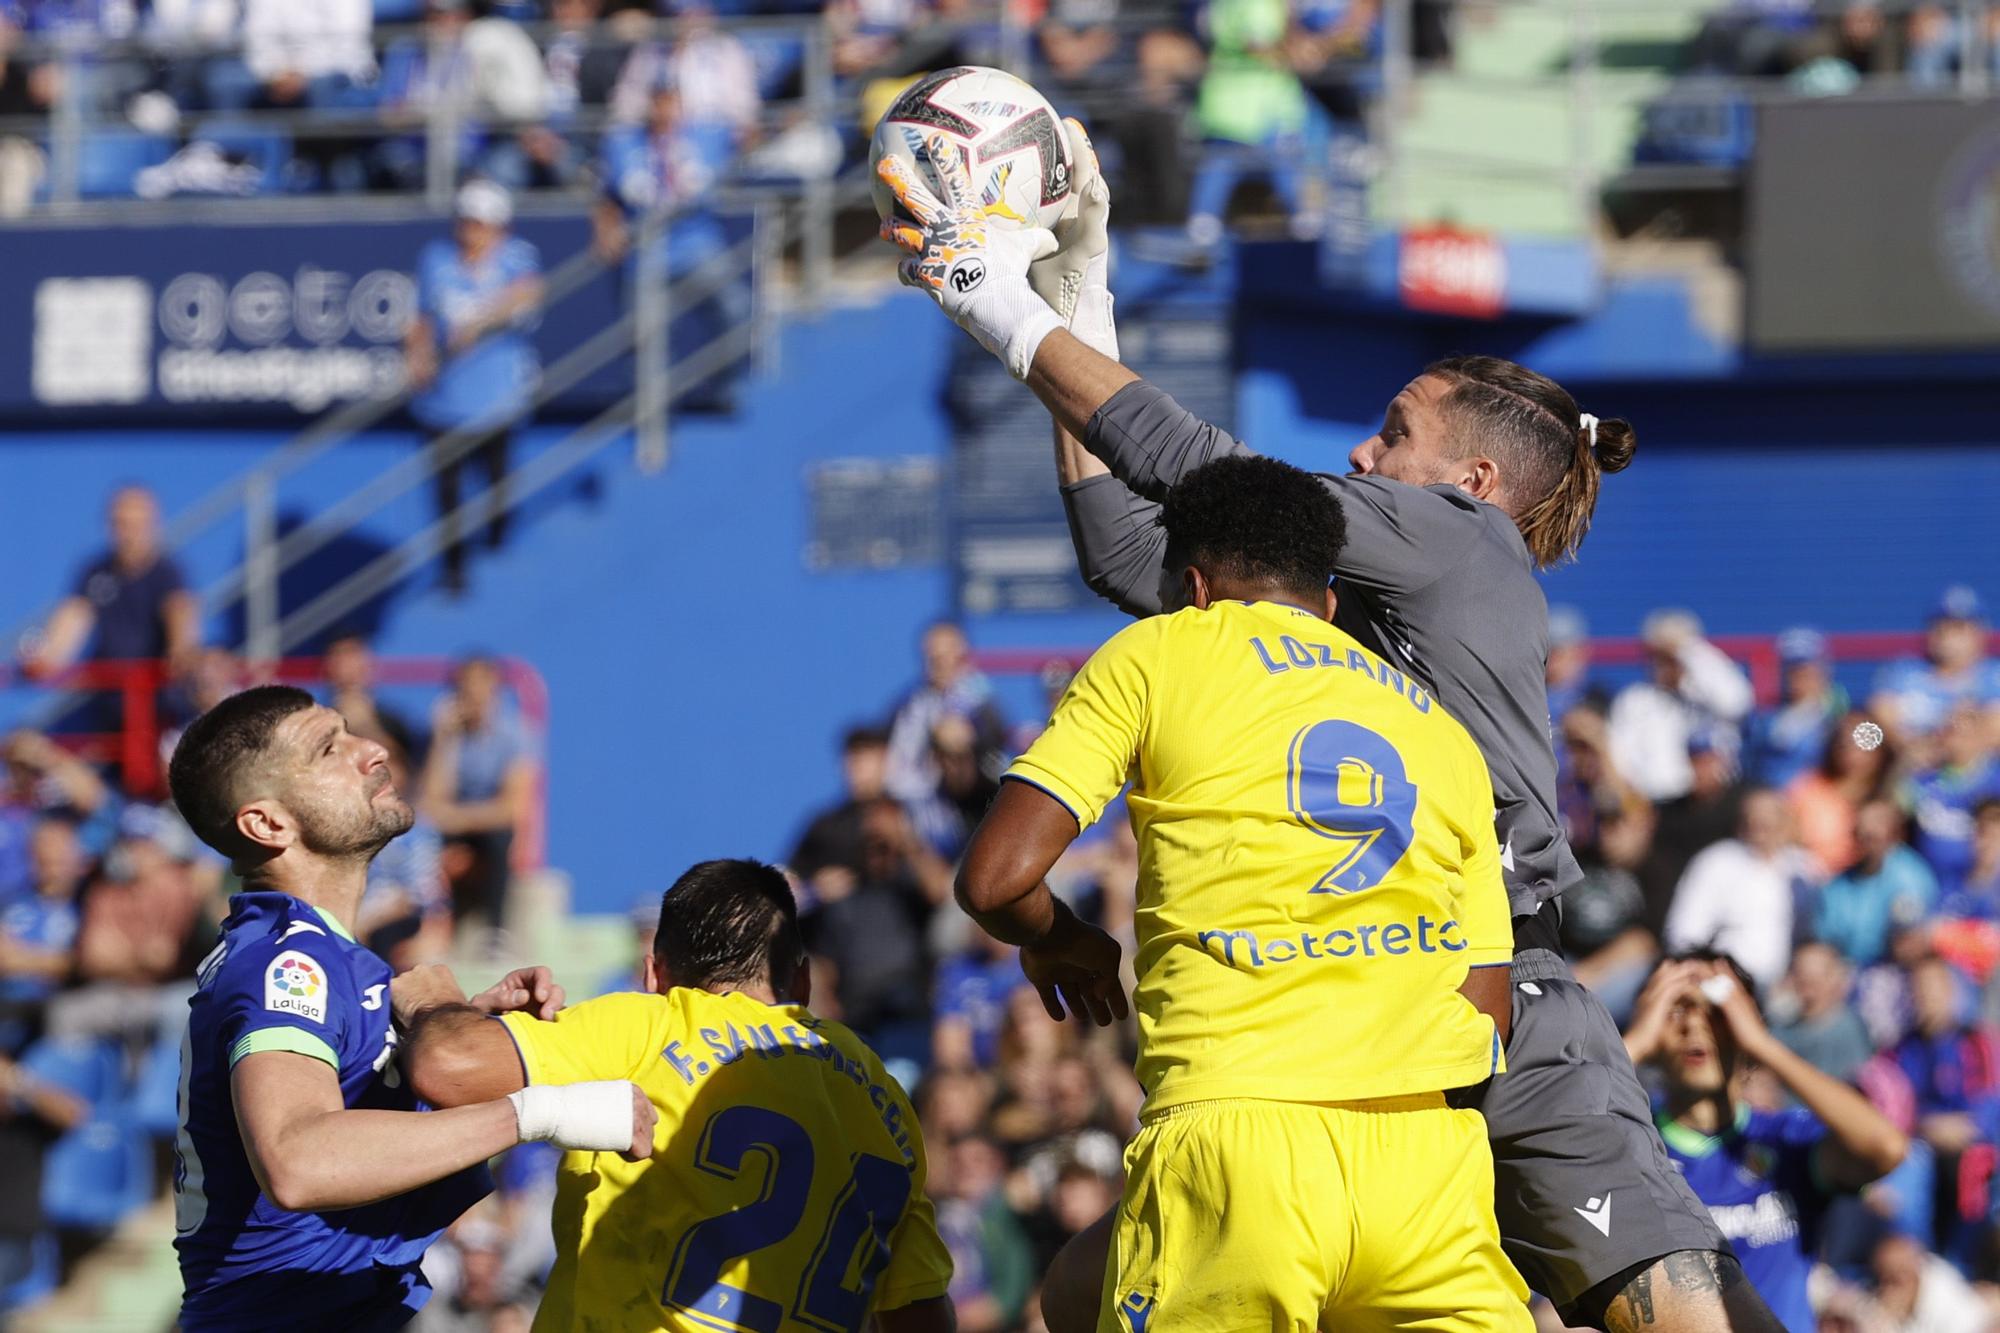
(1844, 852)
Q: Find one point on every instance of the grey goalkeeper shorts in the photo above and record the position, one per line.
(1583, 1189)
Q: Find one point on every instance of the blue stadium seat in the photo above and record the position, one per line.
(106, 163)
(398, 11)
(156, 1093)
(96, 1174)
(93, 1070)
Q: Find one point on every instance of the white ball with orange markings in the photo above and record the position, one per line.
(1021, 167)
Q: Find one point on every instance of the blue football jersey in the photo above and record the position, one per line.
(287, 977)
(1758, 1181)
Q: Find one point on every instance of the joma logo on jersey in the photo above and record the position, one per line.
(296, 985)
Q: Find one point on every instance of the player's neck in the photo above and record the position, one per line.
(760, 992)
(1223, 591)
(333, 886)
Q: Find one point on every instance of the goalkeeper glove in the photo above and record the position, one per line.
(1073, 280)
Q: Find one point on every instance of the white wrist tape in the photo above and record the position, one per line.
(1009, 320)
(583, 1117)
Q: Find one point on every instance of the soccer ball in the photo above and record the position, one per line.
(1021, 167)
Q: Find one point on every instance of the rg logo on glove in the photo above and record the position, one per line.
(967, 274)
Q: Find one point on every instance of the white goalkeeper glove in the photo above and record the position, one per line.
(975, 271)
(1074, 280)
(613, 1116)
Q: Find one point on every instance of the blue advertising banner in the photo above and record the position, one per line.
(240, 321)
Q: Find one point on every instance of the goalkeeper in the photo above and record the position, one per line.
(1482, 472)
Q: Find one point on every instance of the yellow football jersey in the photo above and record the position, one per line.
(1317, 861)
(785, 1193)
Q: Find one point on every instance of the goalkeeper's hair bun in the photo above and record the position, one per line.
(1614, 445)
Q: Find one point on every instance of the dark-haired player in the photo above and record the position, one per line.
(786, 1190)
(1319, 898)
(1483, 471)
(306, 1184)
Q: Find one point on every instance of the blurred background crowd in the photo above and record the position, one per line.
(1841, 842)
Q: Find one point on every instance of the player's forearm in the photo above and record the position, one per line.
(1870, 1142)
(1074, 381)
(1028, 917)
(345, 1158)
(1074, 463)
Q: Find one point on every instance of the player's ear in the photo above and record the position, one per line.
(1194, 589)
(649, 974)
(802, 985)
(1479, 477)
(267, 826)
(1332, 601)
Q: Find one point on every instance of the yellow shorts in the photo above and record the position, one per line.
(1286, 1216)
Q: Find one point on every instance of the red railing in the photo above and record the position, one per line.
(135, 745)
(1757, 652)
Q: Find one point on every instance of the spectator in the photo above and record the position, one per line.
(1766, 1176)
(1886, 889)
(1976, 896)
(872, 934)
(1941, 799)
(1954, 1069)
(34, 1113)
(1076, 40)
(711, 71)
(129, 603)
(41, 778)
(951, 685)
(143, 930)
(973, 991)
(1827, 1032)
(405, 914)
(1737, 896)
(350, 682)
(947, 816)
(992, 1268)
(1918, 1292)
(831, 846)
(1570, 684)
(1605, 928)
(1825, 799)
(478, 786)
(490, 73)
(1789, 739)
(1912, 699)
(38, 932)
(1252, 111)
(1692, 686)
(311, 55)
(583, 60)
(27, 91)
(469, 353)
(1708, 813)
(1940, 37)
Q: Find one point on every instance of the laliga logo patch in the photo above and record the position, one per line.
(296, 985)
(1059, 176)
(966, 274)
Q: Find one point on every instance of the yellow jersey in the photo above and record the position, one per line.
(785, 1193)
(1317, 860)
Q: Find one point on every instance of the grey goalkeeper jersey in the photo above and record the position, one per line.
(1435, 582)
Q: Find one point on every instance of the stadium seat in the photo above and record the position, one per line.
(398, 11)
(155, 1102)
(93, 1070)
(107, 163)
(1697, 122)
(96, 1174)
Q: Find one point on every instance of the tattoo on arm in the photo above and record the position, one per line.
(1690, 1275)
